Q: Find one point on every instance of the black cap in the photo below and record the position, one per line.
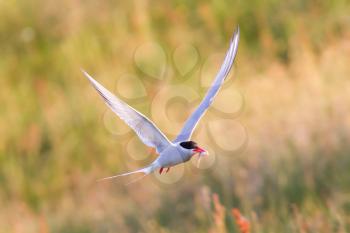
(188, 144)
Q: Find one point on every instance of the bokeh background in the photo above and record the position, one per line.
(281, 155)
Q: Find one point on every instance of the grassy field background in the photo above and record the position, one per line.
(282, 156)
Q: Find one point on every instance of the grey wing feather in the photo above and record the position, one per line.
(191, 123)
(144, 128)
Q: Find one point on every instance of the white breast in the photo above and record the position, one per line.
(173, 155)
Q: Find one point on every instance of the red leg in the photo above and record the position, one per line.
(167, 169)
(161, 170)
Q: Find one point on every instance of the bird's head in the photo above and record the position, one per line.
(193, 148)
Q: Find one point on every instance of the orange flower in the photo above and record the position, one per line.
(242, 223)
(219, 214)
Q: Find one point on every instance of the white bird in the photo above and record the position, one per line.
(182, 148)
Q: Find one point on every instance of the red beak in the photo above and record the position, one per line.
(199, 150)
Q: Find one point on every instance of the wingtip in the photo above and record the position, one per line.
(84, 73)
(236, 33)
(237, 29)
(235, 38)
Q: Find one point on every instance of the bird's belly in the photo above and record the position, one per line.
(171, 159)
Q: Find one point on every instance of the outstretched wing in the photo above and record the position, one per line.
(191, 123)
(144, 128)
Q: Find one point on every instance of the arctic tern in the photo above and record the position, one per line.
(182, 148)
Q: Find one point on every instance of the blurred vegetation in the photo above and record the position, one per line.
(292, 68)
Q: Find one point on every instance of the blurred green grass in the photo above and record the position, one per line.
(292, 68)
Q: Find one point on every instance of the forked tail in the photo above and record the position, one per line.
(146, 170)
